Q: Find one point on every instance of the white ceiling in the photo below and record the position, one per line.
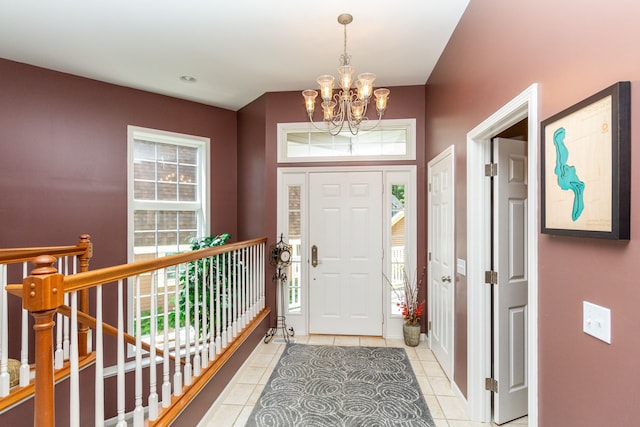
(236, 49)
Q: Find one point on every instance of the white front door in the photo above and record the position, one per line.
(510, 293)
(441, 258)
(345, 236)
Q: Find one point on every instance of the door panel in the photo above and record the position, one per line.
(345, 292)
(441, 269)
(510, 294)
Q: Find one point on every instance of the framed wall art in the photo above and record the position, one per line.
(585, 161)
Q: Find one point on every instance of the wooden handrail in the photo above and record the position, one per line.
(16, 255)
(92, 278)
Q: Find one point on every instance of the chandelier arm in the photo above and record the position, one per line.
(330, 127)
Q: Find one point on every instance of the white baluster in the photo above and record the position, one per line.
(63, 267)
(225, 300)
(212, 338)
(196, 319)
(121, 379)
(24, 349)
(4, 332)
(242, 281)
(218, 307)
(153, 394)
(234, 305)
(99, 393)
(204, 358)
(166, 383)
(187, 327)
(177, 370)
(138, 412)
(74, 379)
(261, 276)
(252, 275)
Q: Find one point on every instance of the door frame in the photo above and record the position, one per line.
(479, 238)
(449, 151)
(392, 327)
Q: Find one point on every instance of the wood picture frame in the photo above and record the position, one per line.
(586, 167)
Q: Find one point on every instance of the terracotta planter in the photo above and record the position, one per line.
(411, 334)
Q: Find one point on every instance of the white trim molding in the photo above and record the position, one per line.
(525, 105)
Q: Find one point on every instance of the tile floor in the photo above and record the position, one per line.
(236, 402)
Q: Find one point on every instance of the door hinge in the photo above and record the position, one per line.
(491, 169)
(491, 385)
(429, 256)
(429, 187)
(491, 277)
(429, 325)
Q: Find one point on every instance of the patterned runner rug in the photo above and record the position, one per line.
(316, 386)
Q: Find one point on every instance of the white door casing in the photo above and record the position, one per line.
(525, 105)
(345, 217)
(441, 270)
(510, 293)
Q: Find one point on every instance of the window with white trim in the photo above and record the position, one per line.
(390, 140)
(168, 181)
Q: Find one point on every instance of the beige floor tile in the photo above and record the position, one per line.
(416, 365)
(432, 369)
(441, 386)
(425, 354)
(225, 416)
(243, 417)
(320, 340)
(453, 409)
(463, 423)
(397, 342)
(239, 394)
(373, 342)
(255, 395)
(346, 340)
(441, 423)
(251, 375)
(265, 377)
(271, 348)
(434, 406)
(425, 386)
(261, 360)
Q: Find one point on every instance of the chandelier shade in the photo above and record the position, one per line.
(346, 106)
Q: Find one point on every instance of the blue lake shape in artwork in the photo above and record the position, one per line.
(567, 176)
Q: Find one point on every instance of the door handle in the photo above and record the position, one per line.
(314, 256)
(446, 279)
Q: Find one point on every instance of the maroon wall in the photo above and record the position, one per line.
(573, 49)
(63, 162)
(63, 157)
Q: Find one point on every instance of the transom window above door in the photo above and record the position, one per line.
(390, 140)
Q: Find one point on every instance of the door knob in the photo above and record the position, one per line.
(446, 279)
(314, 256)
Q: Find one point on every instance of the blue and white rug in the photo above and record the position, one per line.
(317, 386)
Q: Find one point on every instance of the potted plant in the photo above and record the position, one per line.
(410, 308)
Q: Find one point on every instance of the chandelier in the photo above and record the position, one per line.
(347, 105)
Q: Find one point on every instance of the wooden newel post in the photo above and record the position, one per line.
(83, 295)
(43, 292)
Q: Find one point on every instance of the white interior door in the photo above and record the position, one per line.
(441, 258)
(510, 293)
(345, 233)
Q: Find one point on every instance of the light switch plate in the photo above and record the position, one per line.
(596, 321)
